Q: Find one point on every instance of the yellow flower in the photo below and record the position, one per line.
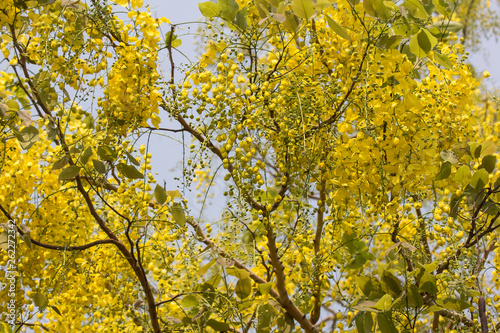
(486, 74)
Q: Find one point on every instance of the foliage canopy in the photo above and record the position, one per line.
(357, 153)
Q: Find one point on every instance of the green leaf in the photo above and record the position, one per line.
(241, 19)
(238, 272)
(393, 42)
(69, 173)
(391, 5)
(265, 315)
(415, 47)
(365, 305)
(206, 267)
(286, 323)
(479, 179)
(488, 148)
(99, 166)
(416, 9)
(370, 286)
(427, 38)
(445, 171)
(12, 105)
(178, 214)
(174, 194)
(209, 9)
(385, 322)
(422, 43)
(26, 237)
(176, 42)
(432, 308)
(448, 156)
(303, 8)
(172, 41)
(189, 301)
(364, 322)
(39, 300)
(384, 303)
(442, 7)
(443, 60)
(49, 97)
(455, 205)
(408, 246)
(321, 5)
(449, 303)
(414, 297)
(292, 22)
(489, 163)
(474, 149)
(56, 310)
(60, 163)
(392, 284)
(381, 10)
(337, 28)
(132, 159)
(351, 241)
(129, 171)
(106, 153)
(463, 175)
(208, 290)
(41, 80)
(360, 260)
(229, 9)
(160, 194)
(85, 156)
(474, 196)
(265, 288)
(427, 282)
(262, 8)
(217, 325)
(89, 122)
(243, 288)
(407, 50)
(448, 26)
(30, 135)
(368, 6)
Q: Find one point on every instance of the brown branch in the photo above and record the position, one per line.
(173, 298)
(249, 323)
(22, 61)
(492, 246)
(455, 316)
(139, 272)
(482, 314)
(21, 324)
(284, 298)
(281, 296)
(316, 311)
(170, 56)
(57, 247)
(166, 129)
(134, 264)
(471, 241)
